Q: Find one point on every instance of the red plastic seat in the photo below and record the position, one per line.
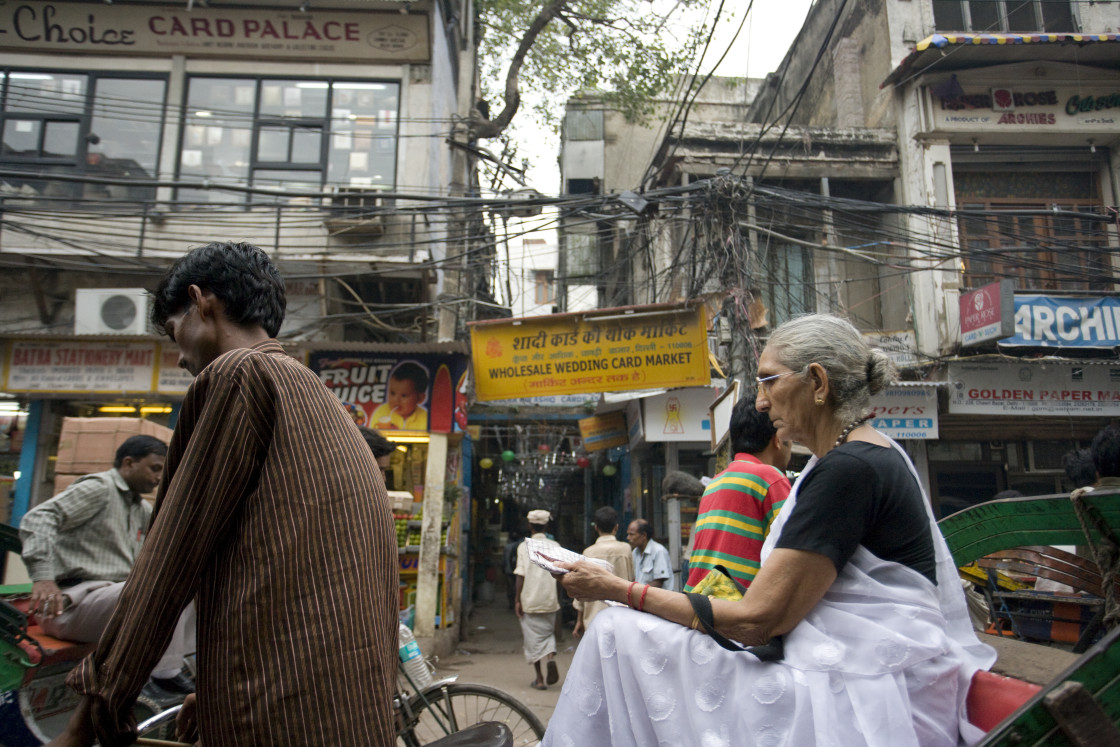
(993, 697)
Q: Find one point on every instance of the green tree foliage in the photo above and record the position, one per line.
(627, 51)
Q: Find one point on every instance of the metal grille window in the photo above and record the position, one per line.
(99, 125)
(996, 16)
(291, 135)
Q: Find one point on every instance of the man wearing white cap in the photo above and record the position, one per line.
(536, 604)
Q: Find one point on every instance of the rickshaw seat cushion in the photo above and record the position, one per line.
(56, 649)
(993, 697)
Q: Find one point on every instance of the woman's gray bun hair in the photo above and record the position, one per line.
(855, 369)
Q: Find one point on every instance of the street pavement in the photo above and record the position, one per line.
(491, 654)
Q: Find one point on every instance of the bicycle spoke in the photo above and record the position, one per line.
(467, 705)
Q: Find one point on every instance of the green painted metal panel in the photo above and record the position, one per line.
(1018, 522)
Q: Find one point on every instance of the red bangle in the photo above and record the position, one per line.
(642, 600)
(629, 600)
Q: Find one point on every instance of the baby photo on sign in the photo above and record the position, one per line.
(403, 408)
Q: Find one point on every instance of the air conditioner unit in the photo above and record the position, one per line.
(111, 311)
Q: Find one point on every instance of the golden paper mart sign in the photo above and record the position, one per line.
(611, 350)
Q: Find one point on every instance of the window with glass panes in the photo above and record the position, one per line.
(288, 135)
(997, 16)
(787, 281)
(106, 126)
(543, 288)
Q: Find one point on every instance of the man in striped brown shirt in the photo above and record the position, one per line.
(273, 513)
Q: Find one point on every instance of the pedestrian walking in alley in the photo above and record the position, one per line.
(609, 548)
(651, 559)
(536, 604)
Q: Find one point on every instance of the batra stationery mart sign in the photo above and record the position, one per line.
(1092, 107)
(1054, 321)
(62, 367)
(612, 350)
(265, 33)
(1049, 388)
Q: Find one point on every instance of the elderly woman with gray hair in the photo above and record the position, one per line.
(859, 626)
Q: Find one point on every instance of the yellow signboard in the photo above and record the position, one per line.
(603, 431)
(611, 350)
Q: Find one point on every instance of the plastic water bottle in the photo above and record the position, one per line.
(412, 661)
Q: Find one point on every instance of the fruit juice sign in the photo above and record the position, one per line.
(418, 393)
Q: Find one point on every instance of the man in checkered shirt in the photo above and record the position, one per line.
(80, 546)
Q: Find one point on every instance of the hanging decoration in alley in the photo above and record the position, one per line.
(486, 462)
(508, 456)
(611, 350)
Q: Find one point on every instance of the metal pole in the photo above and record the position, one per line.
(673, 515)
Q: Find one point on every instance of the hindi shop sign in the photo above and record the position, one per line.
(1045, 321)
(388, 391)
(988, 313)
(87, 367)
(906, 412)
(202, 31)
(590, 353)
(1050, 388)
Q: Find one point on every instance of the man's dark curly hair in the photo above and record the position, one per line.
(751, 430)
(1106, 452)
(240, 274)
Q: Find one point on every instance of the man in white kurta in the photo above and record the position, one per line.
(536, 604)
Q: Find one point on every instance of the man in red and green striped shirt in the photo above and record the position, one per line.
(741, 502)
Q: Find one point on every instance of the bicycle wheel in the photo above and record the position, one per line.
(447, 710)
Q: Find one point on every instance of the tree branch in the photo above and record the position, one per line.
(490, 128)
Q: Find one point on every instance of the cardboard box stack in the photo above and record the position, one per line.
(89, 444)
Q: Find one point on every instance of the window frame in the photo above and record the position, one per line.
(78, 163)
(259, 122)
(544, 287)
(1049, 256)
(1036, 6)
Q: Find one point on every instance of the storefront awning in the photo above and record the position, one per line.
(961, 51)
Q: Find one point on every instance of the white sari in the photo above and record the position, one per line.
(884, 659)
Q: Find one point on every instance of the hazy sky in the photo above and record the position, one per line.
(769, 29)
